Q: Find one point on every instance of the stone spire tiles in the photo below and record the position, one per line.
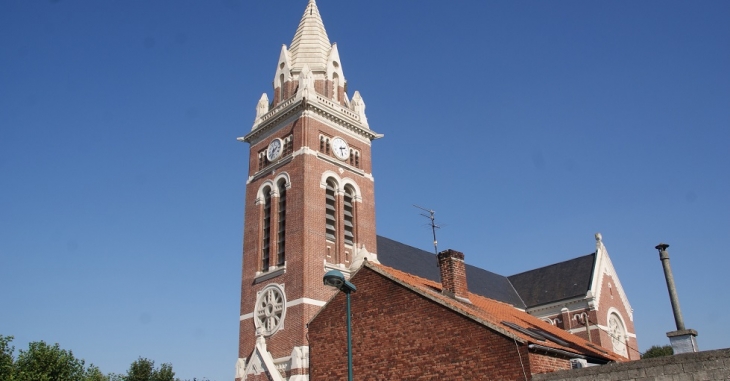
(310, 45)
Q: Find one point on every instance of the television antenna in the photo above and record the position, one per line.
(433, 225)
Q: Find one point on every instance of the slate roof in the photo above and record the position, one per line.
(559, 281)
(493, 314)
(555, 282)
(424, 264)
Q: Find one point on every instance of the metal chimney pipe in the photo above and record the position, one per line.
(664, 257)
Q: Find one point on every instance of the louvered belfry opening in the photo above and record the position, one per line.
(349, 213)
(281, 237)
(331, 212)
(265, 248)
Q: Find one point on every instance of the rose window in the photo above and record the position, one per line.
(270, 309)
(618, 332)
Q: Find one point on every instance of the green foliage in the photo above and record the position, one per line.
(144, 370)
(657, 351)
(6, 358)
(42, 362)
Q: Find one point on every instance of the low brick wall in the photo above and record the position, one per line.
(708, 365)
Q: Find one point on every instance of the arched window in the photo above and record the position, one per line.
(281, 236)
(331, 211)
(349, 215)
(265, 248)
(281, 87)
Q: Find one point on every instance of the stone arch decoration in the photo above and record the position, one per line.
(260, 193)
(341, 183)
(270, 309)
(284, 176)
(273, 185)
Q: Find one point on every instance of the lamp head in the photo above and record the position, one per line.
(336, 279)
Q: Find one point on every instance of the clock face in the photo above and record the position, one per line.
(340, 148)
(274, 150)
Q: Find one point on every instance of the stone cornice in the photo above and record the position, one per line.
(321, 106)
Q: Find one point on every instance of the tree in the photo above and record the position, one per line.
(144, 370)
(657, 351)
(42, 362)
(6, 358)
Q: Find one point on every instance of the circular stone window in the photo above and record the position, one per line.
(618, 332)
(270, 309)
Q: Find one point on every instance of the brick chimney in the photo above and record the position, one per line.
(453, 274)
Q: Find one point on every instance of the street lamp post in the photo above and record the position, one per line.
(336, 279)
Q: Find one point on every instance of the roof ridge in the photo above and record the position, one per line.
(551, 265)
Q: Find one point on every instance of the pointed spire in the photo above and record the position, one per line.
(310, 45)
(261, 108)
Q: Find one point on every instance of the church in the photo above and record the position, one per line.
(309, 208)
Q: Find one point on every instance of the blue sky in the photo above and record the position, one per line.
(527, 126)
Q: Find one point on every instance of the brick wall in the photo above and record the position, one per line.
(400, 335)
(708, 365)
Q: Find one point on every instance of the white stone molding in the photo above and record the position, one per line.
(261, 361)
(283, 68)
(341, 184)
(306, 83)
(334, 67)
(619, 342)
(261, 108)
(318, 107)
(605, 266)
(312, 302)
(289, 304)
(348, 181)
(310, 44)
(596, 326)
(300, 357)
(286, 177)
(358, 106)
(260, 196)
(326, 175)
(575, 304)
(360, 256)
(240, 368)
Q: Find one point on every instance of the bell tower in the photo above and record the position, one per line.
(309, 204)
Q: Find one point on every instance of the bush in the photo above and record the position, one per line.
(657, 351)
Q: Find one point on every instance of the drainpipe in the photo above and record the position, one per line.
(583, 318)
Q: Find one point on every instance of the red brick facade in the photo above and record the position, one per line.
(307, 249)
(401, 335)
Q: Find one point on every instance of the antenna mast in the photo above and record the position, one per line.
(433, 226)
